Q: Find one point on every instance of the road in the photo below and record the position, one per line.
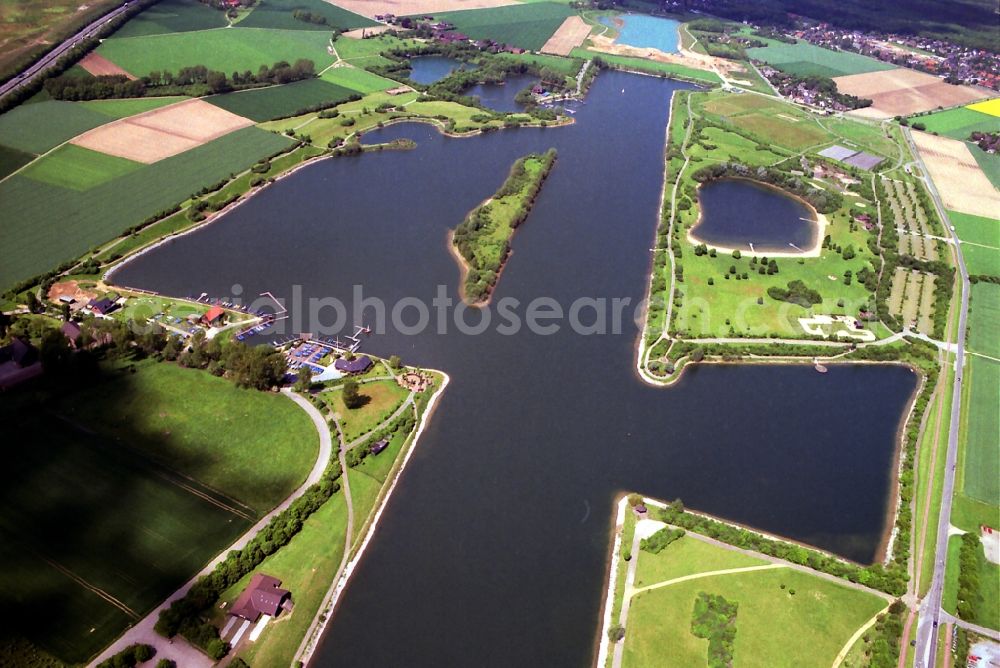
(178, 649)
(55, 54)
(930, 610)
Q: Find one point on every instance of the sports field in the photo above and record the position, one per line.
(278, 14)
(46, 224)
(225, 49)
(805, 59)
(115, 495)
(358, 80)
(984, 320)
(173, 16)
(35, 128)
(528, 26)
(959, 123)
(982, 458)
(265, 104)
(79, 168)
(817, 617)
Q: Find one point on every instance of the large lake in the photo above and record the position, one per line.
(492, 549)
(738, 213)
(643, 31)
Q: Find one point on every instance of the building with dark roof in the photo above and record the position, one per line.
(102, 306)
(263, 596)
(357, 365)
(71, 331)
(379, 446)
(18, 363)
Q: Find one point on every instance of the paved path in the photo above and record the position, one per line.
(178, 649)
(616, 658)
(842, 654)
(969, 626)
(385, 423)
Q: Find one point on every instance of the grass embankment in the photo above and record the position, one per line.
(146, 474)
(483, 238)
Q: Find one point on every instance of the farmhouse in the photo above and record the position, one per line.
(263, 596)
(356, 365)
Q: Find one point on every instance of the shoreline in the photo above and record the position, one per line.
(818, 224)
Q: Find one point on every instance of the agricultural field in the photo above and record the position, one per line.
(277, 14)
(958, 123)
(957, 176)
(805, 59)
(131, 106)
(383, 398)
(265, 104)
(170, 16)
(358, 80)
(47, 225)
(528, 26)
(911, 298)
(36, 128)
(909, 217)
(79, 168)
(366, 52)
(570, 35)
(225, 49)
(982, 461)
(981, 241)
(984, 320)
(134, 496)
(818, 616)
(902, 91)
(989, 163)
(649, 66)
(12, 160)
(372, 8)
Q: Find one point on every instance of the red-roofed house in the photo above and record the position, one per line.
(213, 316)
(263, 596)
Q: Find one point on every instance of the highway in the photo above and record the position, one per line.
(930, 609)
(51, 57)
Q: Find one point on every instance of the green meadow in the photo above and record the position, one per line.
(277, 14)
(805, 59)
(36, 128)
(78, 168)
(170, 16)
(265, 104)
(528, 26)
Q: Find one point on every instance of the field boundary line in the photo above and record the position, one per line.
(97, 590)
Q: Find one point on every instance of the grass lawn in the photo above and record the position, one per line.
(649, 66)
(985, 319)
(793, 135)
(36, 128)
(141, 309)
(46, 224)
(982, 460)
(132, 106)
(729, 143)
(384, 397)
(949, 599)
(278, 14)
(265, 104)
(528, 26)
(806, 59)
(687, 556)
(79, 168)
(815, 622)
(170, 16)
(969, 514)
(958, 123)
(225, 49)
(379, 466)
(12, 160)
(364, 493)
(358, 80)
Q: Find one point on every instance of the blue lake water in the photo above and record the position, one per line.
(502, 97)
(644, 31)
(429, 69)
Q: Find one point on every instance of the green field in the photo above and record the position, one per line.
(982, 458)
(651, 66)
(130, 107)
(815, 621)
(12, 160)
(47, 225)
(278, 14)
(383, 398)
(981, 260)
(976, 229)
(170, 16)
(357, 79)
(128, 487)
(958, 123)
(984, 320)
(988, 162)
(528, 26)
(265, 104)
(225, 49)
(35, 128)
(79, 168)
(365, 52)
(805, 59)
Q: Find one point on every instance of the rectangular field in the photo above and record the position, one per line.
(35, 128)
(226, 50)
(984, 319)
(982, 457)
(528, 26)
(100, 66)
(805, 59)
(959, 123)
(79, 168)
(358, 80)
(278, 14)
(570, 35)
(372, 8)
(266, 104)
(962, 185)
(901, 92)
(976, 229)
(46, 225)
(170, 16)
(162, 133)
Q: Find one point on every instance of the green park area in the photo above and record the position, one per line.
(804, 59)
(124, 487)
(379, 399)
(527, 25)
(483, 238)
(668, 598)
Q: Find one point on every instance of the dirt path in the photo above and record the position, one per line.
(706, 574)
(857, 634)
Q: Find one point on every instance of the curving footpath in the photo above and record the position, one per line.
(178, 649)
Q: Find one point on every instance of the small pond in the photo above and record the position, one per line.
(430, 69)
(741, 214)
